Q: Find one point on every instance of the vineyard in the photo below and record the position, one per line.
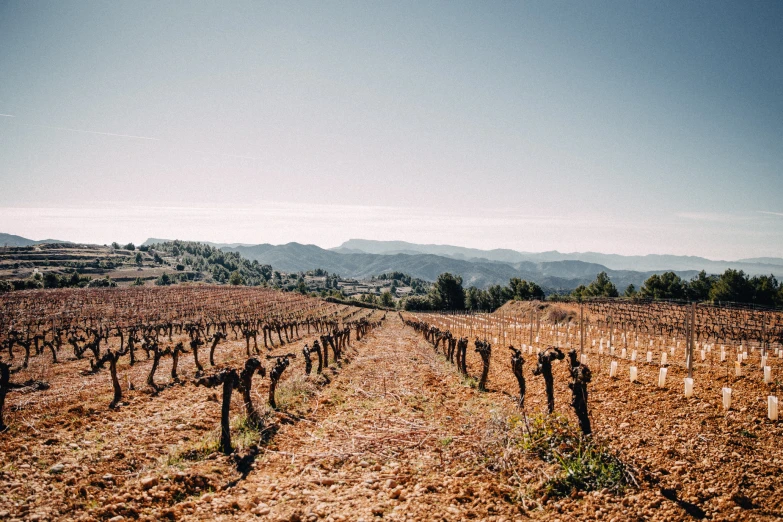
(689, 393)
(211, 402)
(72, 359)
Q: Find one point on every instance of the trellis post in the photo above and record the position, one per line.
(690, 327)
(581, 328)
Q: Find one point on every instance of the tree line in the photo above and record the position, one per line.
(730, 286)
(447, 293)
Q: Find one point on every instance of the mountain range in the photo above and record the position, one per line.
(154, 240)
(19, 241)
(651, 262)
(554, 271)
(481, 272)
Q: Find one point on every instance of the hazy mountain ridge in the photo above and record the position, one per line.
(646, 263)
(480, 268)
(370, 246)
(18, 241)
(552, 275)
(155, 240)
(763, 260)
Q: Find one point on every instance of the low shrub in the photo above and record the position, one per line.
(585, 464)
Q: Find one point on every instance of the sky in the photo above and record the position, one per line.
(618, 127)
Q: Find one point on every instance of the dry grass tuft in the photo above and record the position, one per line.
(294, 392)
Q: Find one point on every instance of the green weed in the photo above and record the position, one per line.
(469, 381)
(201, 450)
(585, 465)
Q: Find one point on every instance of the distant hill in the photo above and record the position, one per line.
(156, 241)
(553, 271)
(182, 262)
(19, 241)
(402, 247)
(763, 260)
(89, 261)
(648, 263)
(552, 276)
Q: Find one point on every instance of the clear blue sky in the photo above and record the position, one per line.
(622, 127)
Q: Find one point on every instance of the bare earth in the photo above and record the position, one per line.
(395, 434)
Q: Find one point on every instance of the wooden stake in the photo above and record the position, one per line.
(581, 328)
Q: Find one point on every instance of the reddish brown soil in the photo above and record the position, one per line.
(395, 434)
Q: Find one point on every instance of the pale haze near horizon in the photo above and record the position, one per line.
(611, 127)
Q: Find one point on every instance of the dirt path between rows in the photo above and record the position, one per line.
(390, 437)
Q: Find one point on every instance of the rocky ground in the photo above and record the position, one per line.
(392, 432)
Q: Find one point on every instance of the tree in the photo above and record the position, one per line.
(601, 286)
(447, 293)
(75, 280)
(163, 280)
(106, 282)
(630, 291)
(387, 300)
(301, 287)
(266, 272)
(522, 290)
(473, 298)
(416, 303)
(28, 284)
(498, 295)
(580, 292)
(51, 280)
(115, 245)
(130, 246)
(698, 289)
(138, 282)
(732, 285)
(236, 279)
(139, 258)
(220, 274)
(519, 288)
(766, 290)
(664, 286)
(536, 292)
(368, 298)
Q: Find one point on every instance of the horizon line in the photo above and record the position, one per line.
(250, 244)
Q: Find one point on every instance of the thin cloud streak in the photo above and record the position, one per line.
(712, 217)
(771, 213)
(131, 136)
(112, 134)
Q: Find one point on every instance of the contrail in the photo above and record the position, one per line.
(770, 213)
(132, 136)
(91, 132)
